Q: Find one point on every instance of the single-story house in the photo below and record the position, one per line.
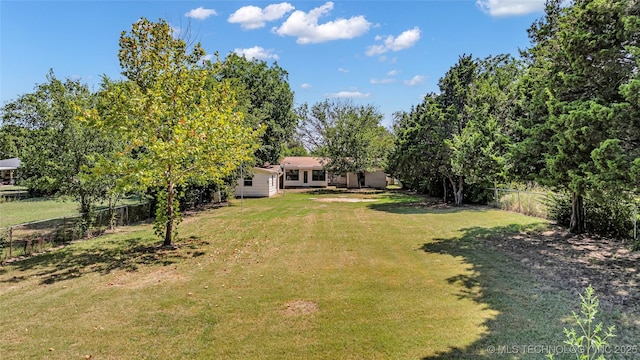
(261, 181)
(7, 171)
(304, 171)
(376, 179)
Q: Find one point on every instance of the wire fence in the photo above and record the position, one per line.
(536, 203)
(25, 239)
(532, 203)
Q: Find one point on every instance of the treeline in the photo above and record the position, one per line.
(565, 114)
(175, 127)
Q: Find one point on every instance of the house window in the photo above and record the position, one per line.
(248, 181)
(293, 175)
(318, 175)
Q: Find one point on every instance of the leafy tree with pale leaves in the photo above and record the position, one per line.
(176, 129)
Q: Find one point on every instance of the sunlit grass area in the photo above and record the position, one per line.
(305, 276)
(34, 209)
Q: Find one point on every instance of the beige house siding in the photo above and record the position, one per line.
(297, 169)
(375, 179)
(263, 184)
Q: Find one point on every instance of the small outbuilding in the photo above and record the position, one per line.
(260, 181)
(7, 171)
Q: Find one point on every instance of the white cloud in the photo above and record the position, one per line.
(349, 94)
(404, 41)
(510, 7)
(393, 72)
(305, 26)
(382, 81)
(253, 17)
(416, 80)
(256, 52)
(343, 70)
(200, 13)
(305, 86)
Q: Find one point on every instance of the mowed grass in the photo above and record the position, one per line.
(35, 209)
(286, 278)
(27, 210)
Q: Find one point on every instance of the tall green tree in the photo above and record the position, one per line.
(420, 156)
(478, 152)
(579, 59)
(176, 129)
(460, 136)
(265, 98)
(59, 150)
(455, 94)
(351, 137)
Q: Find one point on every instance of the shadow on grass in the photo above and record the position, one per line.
(72, 262)
(528, 311)
(402, 203)
(338, 191)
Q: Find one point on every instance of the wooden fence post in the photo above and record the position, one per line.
(10, 241)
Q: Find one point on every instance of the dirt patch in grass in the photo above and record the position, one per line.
(572, 262)
(344, 199)
(299, 307)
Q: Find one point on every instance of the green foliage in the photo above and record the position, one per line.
(572, 103)
(351, 137)
(264, 97)
(611, 215)
(55, 147)
(462, 134)
(176, 129)
(590, 340)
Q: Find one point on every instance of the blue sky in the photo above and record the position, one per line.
(385, 53)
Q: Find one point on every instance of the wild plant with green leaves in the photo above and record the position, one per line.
(590, 340)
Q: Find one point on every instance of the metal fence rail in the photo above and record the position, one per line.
(535, 203)
(532, 203)
(35, 236)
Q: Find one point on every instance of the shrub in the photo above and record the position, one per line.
(611, 216)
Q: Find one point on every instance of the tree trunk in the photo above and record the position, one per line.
(85, 212)
(444, 188)
(577, 224)
(458, 187)
(169, 228)
(459, 192)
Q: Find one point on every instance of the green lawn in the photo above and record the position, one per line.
(34, 209)
(287, 278)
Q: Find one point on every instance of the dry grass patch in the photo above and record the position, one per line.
(300, 307)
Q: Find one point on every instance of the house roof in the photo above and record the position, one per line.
(303, 162)
(9, 164)
(274, 169)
